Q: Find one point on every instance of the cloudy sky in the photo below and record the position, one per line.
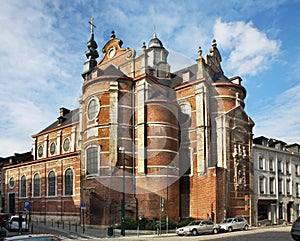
(42, 46)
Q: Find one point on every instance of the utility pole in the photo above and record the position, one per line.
(122, 156)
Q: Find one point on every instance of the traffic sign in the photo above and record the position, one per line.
(26, 206)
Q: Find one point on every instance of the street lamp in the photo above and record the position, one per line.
(122, 158)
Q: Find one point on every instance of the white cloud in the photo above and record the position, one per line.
(37, 74)
(280, 119)
(251, 51)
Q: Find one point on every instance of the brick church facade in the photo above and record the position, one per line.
(145, 136)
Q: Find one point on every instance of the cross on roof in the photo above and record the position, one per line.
(93, 26)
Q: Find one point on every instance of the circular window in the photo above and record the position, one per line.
(93, 109)
(40, 151)
(52, 148)
(66, 144)
(11, 182)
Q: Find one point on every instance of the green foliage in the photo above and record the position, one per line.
(185, 222)
(153, 224)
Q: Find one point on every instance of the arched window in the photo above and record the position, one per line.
(36, 185)
(51, 183)
(69, 182)
(23, 186)
(92, 160)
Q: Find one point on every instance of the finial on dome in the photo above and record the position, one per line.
(214, 43)
(112, 35)
(93, 26)
(144, 46)
(199, 52)
(154, 34)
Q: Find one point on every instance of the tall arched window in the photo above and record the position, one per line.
(51, 183)
(69, 182)
(23, 186)
(92, 160)
(36, 185)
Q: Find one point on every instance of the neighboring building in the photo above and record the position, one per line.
(277, 181)
(143, 138)
(50, 181)
(17, 158)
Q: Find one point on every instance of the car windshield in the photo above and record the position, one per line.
(193, 223)
(228, 220)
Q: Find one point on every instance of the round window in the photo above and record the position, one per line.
(40, 151)
(93, 109)
(66, 144)
(11, 182)
(52, 148)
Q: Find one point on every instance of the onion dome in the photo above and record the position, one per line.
(155, 42)
(91, 53)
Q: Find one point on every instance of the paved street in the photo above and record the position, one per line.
(265, 234)
(280, 233)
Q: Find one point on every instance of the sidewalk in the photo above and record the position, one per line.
(100, 233)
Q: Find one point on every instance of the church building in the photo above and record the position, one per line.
(144, 142)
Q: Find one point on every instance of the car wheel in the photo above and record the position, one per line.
(215, 230)
(195, 232)
(246, 227)
(230, 229)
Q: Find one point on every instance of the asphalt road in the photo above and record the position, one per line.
(278, 233)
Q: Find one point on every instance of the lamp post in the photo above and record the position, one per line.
(122, 157)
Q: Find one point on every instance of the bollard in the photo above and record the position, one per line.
(58, 223)
(76, 227)
(52, 223)
(32, 228)
(69, 225)
(63, 223)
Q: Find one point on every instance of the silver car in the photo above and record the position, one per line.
(230, 224)
(198, 227)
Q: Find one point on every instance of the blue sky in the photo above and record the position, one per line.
(42, 46)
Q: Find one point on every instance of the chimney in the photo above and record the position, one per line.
(63, 111)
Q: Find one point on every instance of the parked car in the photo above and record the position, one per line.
(295, 230)
(13, 223)
(230, 224)
(198, 227)
(34, 237)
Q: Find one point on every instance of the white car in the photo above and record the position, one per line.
(230, 224)
(198, 227)
(13, 223)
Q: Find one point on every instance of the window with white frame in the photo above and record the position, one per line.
(36, 185)
(298, 210)
(261, 162)
(297, 189)
(280, 186)
(68, 182)
(262, 185)
(271, 164)
(272, 185)
(288, 187)
(92, 160)
(51, 183)
(23, 186)
(279, 166)
(288, 171)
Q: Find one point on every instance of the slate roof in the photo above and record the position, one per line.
(71, 117)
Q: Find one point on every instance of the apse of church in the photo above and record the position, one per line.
(148, 134)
